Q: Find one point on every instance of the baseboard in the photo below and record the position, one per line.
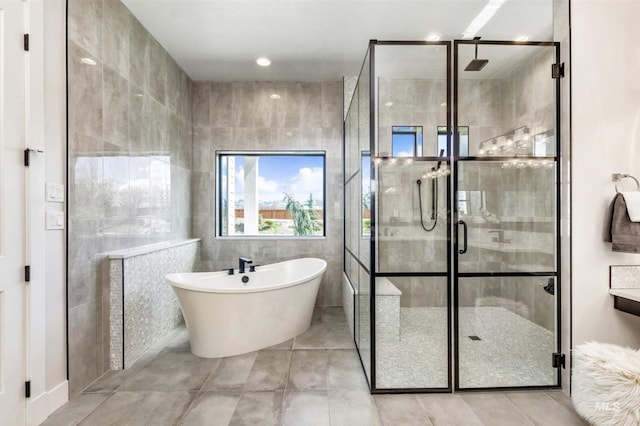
(41, 406)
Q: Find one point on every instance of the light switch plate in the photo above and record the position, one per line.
(54, 192)
(55, 220)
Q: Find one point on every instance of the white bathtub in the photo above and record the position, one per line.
(226, 317)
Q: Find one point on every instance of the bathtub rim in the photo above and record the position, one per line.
(175, 281)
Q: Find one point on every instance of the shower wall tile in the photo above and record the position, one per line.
(172, 83)
(120, 178)
(139, 71)
(349, 87)
(85, 92)
(243, 104)
(158, 71)
(243, 116)
(116, 109)
(85, 345)
(158, 128)
(116, 23)
(201, 95)
(332, 93)
(85, 24)
(139, 118)
(220, 105)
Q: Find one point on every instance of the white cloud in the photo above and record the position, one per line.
(308, 181)
(265, 185)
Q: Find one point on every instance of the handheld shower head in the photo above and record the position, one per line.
(476, 64)
(440, 161)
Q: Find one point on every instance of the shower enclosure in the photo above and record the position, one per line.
(452, 215)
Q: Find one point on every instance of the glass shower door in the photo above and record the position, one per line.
(412, 216)
(506, 216)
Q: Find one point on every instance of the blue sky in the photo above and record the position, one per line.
(298, 175)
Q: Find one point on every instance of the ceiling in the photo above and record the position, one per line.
(315, 40)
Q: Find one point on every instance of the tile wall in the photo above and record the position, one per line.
(243, 116)
(129, 160)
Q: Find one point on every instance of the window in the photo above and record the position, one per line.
(365, 170)
(406, 141)
(463, 137)
(271, 194)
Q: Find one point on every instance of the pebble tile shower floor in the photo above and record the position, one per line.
(314, 379)
(515, 350)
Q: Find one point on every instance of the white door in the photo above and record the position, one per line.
(12, 236)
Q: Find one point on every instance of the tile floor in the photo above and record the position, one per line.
(314, 379)
(523, 348)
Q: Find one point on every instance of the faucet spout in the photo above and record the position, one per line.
(242, 262)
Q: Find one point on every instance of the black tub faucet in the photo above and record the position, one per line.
(242, 262)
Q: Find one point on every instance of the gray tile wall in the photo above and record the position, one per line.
(242, 116)
(129, 159)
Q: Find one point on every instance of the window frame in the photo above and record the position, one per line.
(414, 130)
(220, 154)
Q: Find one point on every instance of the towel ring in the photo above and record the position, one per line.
(619, 177)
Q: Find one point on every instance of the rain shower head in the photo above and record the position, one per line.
(476, 64)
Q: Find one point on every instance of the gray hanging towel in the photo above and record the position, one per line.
(624, 234)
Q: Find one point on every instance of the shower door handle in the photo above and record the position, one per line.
(464, 236)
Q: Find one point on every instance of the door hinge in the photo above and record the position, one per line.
(557, 360)
(27, 389)
(26, 42)
(557, 70)
(27, 273)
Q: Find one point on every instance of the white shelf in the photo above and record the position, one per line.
(626, 293)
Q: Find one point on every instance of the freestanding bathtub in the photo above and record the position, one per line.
(226, 317)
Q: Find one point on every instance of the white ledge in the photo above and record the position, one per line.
(149, 248)
(626, 293)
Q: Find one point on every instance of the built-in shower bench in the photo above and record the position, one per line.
(387, 309)
(624, 286)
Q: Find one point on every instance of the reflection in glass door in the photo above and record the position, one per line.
(506, 216)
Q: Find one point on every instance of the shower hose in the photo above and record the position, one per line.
(434, 203)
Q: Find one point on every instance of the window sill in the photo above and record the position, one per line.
(268, 237)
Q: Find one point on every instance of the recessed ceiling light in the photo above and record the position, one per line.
(274, 96)
(388, 103)
(434, 37)
(263, 62)
(88, 61)
(522, 37)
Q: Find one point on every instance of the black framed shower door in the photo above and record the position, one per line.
(501, 230)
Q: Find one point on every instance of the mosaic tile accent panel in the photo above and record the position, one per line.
(116, 319)
(151, 309)
(347, 302)
(624, 276)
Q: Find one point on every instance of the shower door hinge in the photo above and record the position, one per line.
(557, 70)
(557, 360)
(26, 42)
(27, 389)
